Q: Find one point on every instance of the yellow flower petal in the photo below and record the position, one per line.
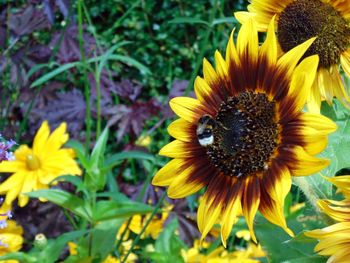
(269, 48)
(302, 80)
(41, 137)
(290, 59)
(247, 41)
(187, 108)
(181, 130)
(305, 164)
(168, 173)
(320, 123)
(179, 149)
(345, 62)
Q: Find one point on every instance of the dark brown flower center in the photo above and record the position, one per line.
(304, 19)
(245, 135)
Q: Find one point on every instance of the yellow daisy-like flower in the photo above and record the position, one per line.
(334, 240)
(245, 135)
(34, 168)
(298, 21)
(11, 239)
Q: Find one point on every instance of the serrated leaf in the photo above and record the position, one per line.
(66, 200)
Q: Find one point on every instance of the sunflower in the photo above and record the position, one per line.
(299, 20)
(35, 168)
(334, 240)
(245, 135)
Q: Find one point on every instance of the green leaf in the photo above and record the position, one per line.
(20, 256)
(79, 151)
(223, 20)
(115, 159)
(52, 251)
(168, 245)
(188, 20)
(43, 79)
(104, 237)
(66, 200)
(106, 210)
(131, 62)
(99, 149)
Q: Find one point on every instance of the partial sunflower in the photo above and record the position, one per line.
(334, 240)
(245, 135)
(300, 20)
(35, 168)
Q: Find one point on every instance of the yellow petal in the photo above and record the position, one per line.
(290, 59)
(231, 51)
(318, 122)
(345, 62)
(250, 202)
(247, 41)
(11, 166)
(181, 130)
(207, 215)
(302, 80)
(57, 138)
(221, 66)
(306, 164)
(269, 47)
(181, 187)
(187, 108)
(12, 182)
(231, 212)
(314, 99)
(179, 149)
(41, 138)
(168, 172)
(210, 75)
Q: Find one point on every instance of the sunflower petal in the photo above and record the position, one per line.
(247, 41)
(345, 62)
(231, 51)
(210, 75)
(319, 122)
(290, 59)
(182, 130)
(302, 79)
(250, 202)
(179, 149)
(187, 108)
(304, 163)
(269, 48)
(208, 214)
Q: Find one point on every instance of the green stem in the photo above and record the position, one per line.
(88, 121)
(137, 239)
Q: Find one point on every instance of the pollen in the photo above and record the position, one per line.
(245, 135)
(304, 19)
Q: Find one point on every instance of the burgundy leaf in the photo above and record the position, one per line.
(69, 47)
(28, 20)
(127, 90)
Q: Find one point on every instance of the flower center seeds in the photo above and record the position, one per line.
(304, 19)
(243, 135)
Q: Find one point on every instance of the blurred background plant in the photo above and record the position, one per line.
(115, 64)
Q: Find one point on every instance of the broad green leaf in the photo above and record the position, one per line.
(20, 256)
(104, 237)
(66, 200)
(168, 245)
(53, 249)
(105, 210)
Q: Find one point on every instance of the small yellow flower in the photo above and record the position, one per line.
(11, 239)
(34, 168)
(144, 141)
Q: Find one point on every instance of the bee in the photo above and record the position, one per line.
(205, 134)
